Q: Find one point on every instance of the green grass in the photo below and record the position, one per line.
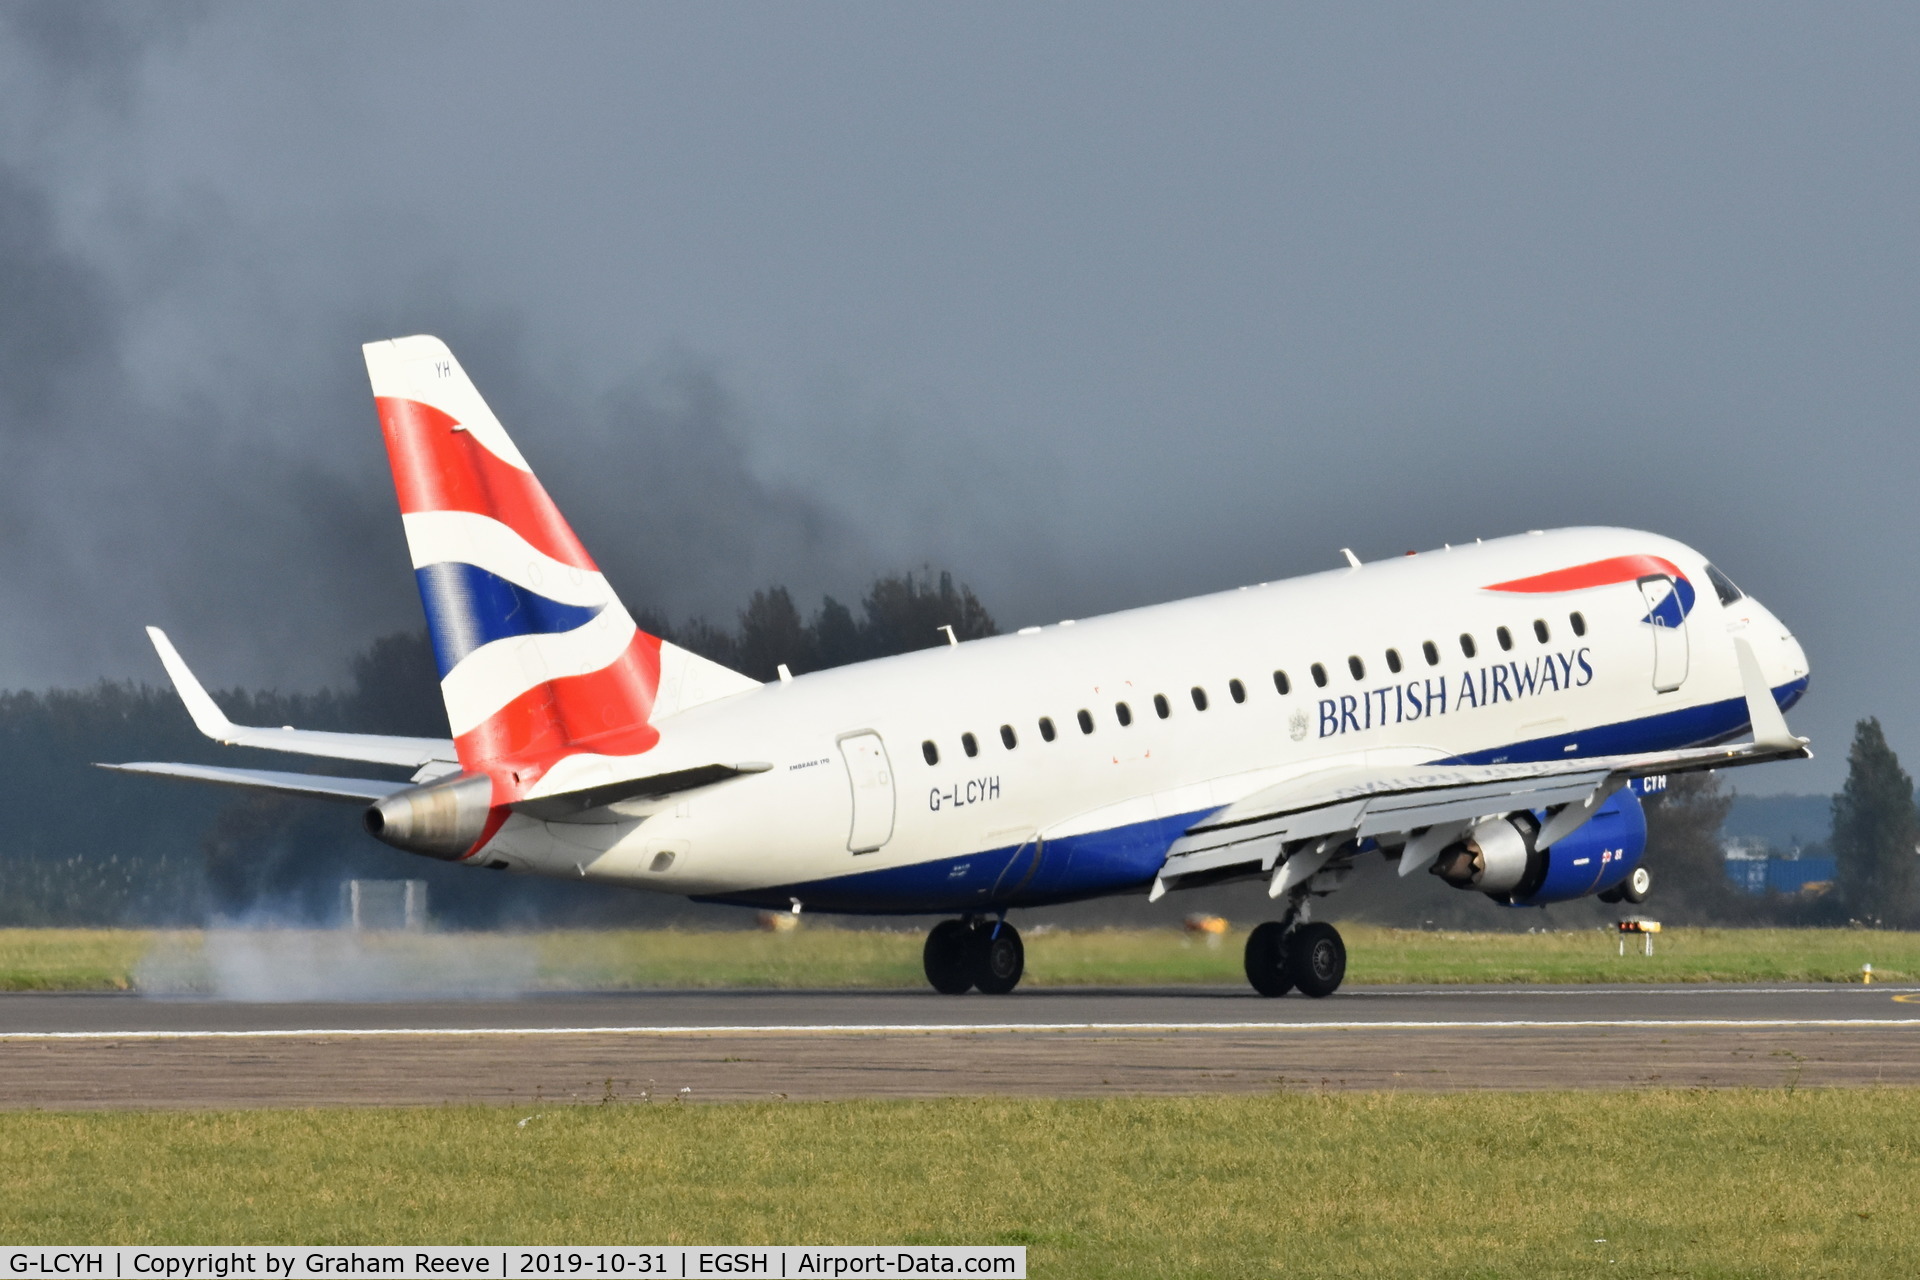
(1631, 1184)
(67, 959)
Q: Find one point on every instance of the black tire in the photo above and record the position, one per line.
(1634, 887)
(1267, 959)
(1614, 894)
(999, 958)
(946, 958)
(1316, 959)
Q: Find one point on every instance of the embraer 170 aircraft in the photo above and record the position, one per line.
(1489, 713)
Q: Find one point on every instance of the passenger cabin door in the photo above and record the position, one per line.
(1669, 626)
(871, 777)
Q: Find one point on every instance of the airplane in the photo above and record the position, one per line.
(1489, 713)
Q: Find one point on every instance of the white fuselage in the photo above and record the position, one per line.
(852, 816)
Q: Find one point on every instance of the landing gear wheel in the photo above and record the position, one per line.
(1634, 887)
(1316, 959)
(1267, 959)
(947, 957)
(999, 958)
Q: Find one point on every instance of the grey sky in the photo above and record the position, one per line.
(1097, 304)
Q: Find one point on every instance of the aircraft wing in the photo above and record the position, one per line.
(1427, 807)
(412, 753)
(356, 790)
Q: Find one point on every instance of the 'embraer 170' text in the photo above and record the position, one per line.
(1439, 695)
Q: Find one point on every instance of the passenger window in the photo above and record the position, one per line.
(1466, 644)
(1578, 623)
(1123, 713)
(968, 745)
(1046, 729)
(1504, 636)
(1723, 586)
(1199, 698)
(1356, 666)
(1007, 739)
(1431, 652)
(1160, 707)
(1393, 661)
(1237, 690)
(1540, 630)
(1086, 721)
(931, 752)
(1319, 675)
(1282, 685)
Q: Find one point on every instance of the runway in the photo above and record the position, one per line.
(92, 1051)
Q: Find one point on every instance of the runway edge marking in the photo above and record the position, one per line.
(319, 1033)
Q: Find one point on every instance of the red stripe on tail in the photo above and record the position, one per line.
(604, 711)
(438, 467)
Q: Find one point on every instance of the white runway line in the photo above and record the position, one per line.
(881, 1028)
(1830, 989)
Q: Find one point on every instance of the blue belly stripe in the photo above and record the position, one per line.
(1126, 859)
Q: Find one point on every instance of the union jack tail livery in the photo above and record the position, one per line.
(538, 658)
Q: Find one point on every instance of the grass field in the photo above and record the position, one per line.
(1814, 1183)
(74, 959)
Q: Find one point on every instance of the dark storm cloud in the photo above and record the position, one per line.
(57, 318)
(244, 513)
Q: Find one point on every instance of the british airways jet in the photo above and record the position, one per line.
(1491, 714)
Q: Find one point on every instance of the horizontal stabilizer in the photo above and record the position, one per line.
(354, 790)
(567, 804)
(409, 753)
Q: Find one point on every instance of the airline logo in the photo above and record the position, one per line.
(1670, 612)
(537, 657)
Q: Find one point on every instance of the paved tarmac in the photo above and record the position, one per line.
(1197, 1008)
(120, 1051)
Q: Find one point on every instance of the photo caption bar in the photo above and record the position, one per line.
(511, 1262)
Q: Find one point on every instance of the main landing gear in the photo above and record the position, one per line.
(963, 954)
(1285, 955)
(1633, 889)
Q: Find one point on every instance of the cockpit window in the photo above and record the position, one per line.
(1723, 586)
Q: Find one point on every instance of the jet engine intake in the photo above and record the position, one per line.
(1494, 857)
(443, 819)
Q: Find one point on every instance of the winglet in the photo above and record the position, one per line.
(207, 716)
(1769, 724)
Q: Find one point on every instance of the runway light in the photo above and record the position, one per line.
(1646, 928)
(1866, 975)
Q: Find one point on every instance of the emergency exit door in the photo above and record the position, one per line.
(1668, 621)
(871, 777)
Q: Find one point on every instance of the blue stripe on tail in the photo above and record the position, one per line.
(468, 607)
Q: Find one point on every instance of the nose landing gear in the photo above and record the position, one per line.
(961, 955)
(1284, 955)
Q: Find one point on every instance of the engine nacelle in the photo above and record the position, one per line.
(1497, 856)
(443, 819)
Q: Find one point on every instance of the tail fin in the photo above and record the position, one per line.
(538, 659)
